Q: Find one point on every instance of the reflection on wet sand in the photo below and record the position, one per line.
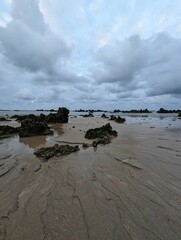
(33, 142)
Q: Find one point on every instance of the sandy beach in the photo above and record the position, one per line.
(129, 189)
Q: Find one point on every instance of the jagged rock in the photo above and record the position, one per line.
(31, 127)
(179, 115)
(104, 131)
(117, 119)
(62, 115)
(7, 131)
(104, 115)
(56, 150)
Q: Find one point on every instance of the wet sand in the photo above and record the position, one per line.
(129, 189)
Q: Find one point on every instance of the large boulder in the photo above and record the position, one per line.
(32, 127)
(61, 116)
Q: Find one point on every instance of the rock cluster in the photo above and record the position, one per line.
(56, 150)
(60, 117)
(117, 119)
(6, 131)
(102, 134)
(31, 127)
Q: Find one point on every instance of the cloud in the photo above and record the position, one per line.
(137, 64)
(28, 42)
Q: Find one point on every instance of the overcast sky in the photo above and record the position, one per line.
(90, 54)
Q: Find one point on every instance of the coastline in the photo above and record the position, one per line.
(128, 189)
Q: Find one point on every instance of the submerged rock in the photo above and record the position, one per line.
(56, 150)
(33, 127)
(117, 119)
(102, 134)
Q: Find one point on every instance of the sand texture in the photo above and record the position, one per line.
(129, 189)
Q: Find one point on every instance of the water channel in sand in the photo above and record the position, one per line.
(128, 189)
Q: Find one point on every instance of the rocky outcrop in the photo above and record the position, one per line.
(60, 117)
(102, 134)
(32, 127)
(117, 119)
(7, 131)
(179, 115)
(56, 150)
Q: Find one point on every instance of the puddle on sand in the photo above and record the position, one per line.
(15, 145)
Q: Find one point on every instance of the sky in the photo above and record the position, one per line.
(90, 54)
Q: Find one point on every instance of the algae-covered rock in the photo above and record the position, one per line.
(103, 132)
(7, 131)
(33, 127)
(56, 150)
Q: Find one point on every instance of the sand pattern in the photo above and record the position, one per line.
(129, 189)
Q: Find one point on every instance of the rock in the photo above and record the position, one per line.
(62, 115)
(32, 127)
(101, 132)
(94, 144)
(7, 131)
(3, 119)
(56, 150)
(104, 115)
(179, 115)
(117, 119)
(85, 145)
(103, 141)
(88, 115)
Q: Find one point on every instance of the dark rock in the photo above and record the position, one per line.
(31, 127)
(85, 145)
(117, 119)
(88, 115)
(162, 110)
(56, 150)
(104, 115)
(104, 131)
(3, 119)
(94, 144)
(62, 115)
(7, 131)
(179, 115)
(103, 141)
